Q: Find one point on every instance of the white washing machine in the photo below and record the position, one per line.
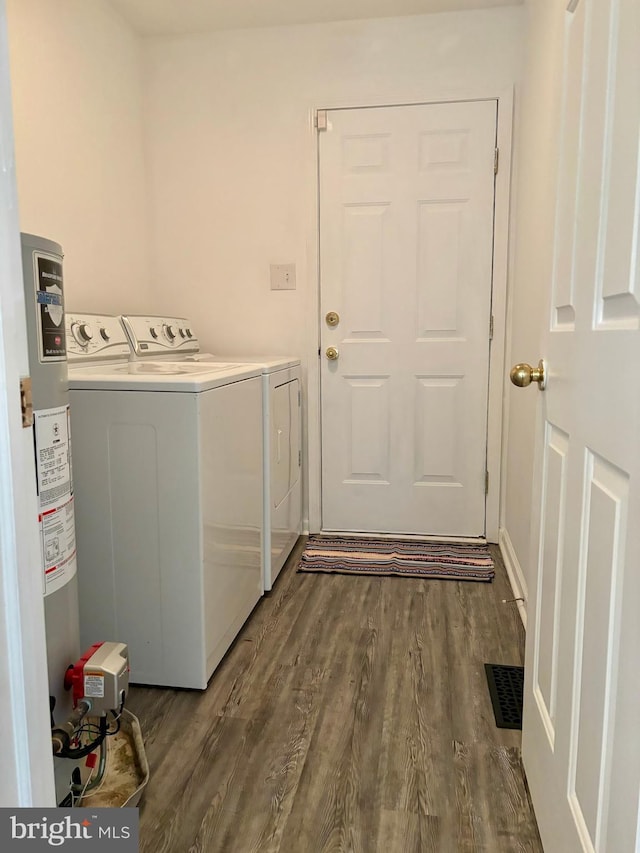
(170, 338)
(167, 469)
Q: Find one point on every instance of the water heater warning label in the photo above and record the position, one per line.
(50, 309)
(94, 685)
(55, 496)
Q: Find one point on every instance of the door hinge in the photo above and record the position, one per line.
(299, 459)
(496, 161)
(26, 401)
(486, 482)
(491, 328)
(320, 120)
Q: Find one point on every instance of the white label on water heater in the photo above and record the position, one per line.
(94, 685)
(55, 497)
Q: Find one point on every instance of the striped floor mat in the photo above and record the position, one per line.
(402, 557)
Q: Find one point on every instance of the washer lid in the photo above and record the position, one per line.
(159, 376)
(267, 363)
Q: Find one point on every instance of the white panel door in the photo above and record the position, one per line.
(406, 235)
(581, 741)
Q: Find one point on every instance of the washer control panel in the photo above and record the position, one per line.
(91, 337)
(153, 335)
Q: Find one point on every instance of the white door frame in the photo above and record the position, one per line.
(504, 97)
(27, 776)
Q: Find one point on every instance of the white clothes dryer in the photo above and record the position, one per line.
(170, 339)
(168, 483)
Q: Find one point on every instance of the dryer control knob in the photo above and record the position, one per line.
(169, 333)
(189, 333)
(153, 332)
(104, 334)
(82, 333)
(183, 334)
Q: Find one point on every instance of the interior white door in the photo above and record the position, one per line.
(27, 777)
(581, 742)
(406, 236)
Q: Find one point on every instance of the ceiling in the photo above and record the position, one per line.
(173, 17)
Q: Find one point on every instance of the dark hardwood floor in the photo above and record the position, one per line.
(351, 714)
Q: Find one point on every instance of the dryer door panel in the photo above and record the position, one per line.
(294, 438)
(285, 440)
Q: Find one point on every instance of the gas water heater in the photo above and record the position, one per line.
(44, 300)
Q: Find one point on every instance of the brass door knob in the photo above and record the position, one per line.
(332, 353)
(332, 319)
(523, 375)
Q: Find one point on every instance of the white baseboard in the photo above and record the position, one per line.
(516, 575)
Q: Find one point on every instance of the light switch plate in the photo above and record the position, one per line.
(283, 276)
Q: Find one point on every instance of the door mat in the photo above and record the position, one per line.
(397, 557)
(506, 686)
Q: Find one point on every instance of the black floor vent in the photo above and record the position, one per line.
(506, 684)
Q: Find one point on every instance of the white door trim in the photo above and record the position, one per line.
(27, 775)
(504, 98)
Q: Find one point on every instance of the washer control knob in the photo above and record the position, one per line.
(183, 334)
(82, 333)
(169, 333)
(153, 332)
(189, 333)
(104, 334)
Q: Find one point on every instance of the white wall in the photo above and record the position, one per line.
(225, 135)
(232, 151)
(76, 83)
(534, 189)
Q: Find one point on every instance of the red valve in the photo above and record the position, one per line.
(74, 676)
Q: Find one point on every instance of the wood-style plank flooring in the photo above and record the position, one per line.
(351, 714)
